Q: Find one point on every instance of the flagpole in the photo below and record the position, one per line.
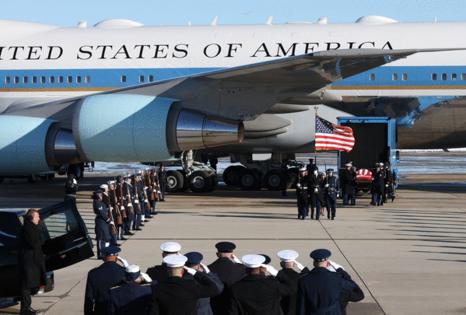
(316, 108)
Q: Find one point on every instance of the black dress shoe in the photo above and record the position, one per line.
(129, 233)
(138, 229)
(123, 238)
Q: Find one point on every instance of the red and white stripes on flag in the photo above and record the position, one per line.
(331, 137)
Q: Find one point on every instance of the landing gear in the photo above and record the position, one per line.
(274, 180)
(175, 181)
(202, 182)
(250, 179)
(232, 175)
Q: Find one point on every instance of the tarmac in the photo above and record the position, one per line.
(408, 256)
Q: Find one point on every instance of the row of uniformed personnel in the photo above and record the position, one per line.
(123, 205)
(182, 284)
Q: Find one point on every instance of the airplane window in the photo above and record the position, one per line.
(141, 79)
(123, 79)
(463, 76)
(34, 80)
(151, 78)
(7, 80)
(61, 79)
(87, 79)
(52, 79)
(43, 79)
(78, 79)
(404, 77)
(395, 77)
(454, 76)
(444, 76)
(25, 80)
(70, 79)
(16, 80)
(434, 76)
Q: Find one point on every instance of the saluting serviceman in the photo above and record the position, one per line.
(159, 273)
(178, 295)
(100, 280)
(195, 261)
(327, 288)
(230, 270)
(133, 295)
(71, 187)
(292, 270)
(257, 293)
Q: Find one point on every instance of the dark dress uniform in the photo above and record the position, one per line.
(71, 188)
(102, 226)
(179, 296)
(31, 262)
(324, 292)
(377, 188)
(99, 281)
(130, 299)
(314, 190)
(288, 303)
(158, 273)
(302, 196)
(348, 186)
(162, 175)
(230, 273)
(331, 188)
(259, 295)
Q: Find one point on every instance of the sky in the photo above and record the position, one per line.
(180, 12)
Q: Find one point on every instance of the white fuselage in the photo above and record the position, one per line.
(39, 63)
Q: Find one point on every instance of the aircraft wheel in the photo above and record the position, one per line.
(175, 181)
(232, 175)
(250, 179)
(200, 182)
(273, 180)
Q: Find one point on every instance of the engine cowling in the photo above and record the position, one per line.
(112, 128)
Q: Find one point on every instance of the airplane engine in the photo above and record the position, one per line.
(112, 128)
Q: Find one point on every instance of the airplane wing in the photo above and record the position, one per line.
(244, 92)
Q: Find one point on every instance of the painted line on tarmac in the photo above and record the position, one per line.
(352, 267)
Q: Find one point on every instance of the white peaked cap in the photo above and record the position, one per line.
(253, 261)
(302, 169)
(104, 186)
(170, 247)
(175, 261)
(287, 255)
(133, 269)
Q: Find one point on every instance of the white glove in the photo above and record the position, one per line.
(111, 208)
(316, 190)
(333, 266)
(326, 185)
(123, 261)
(298, 185)
(299, 265)
(236, 259)
(191, 271)
(136, 201)
(271, 270)
(112, 223)
(205, 268)
(146, 277)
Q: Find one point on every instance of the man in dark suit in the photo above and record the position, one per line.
(230, 270)
(31, 259)
(132, 296)
(258, 294)
(327, 288)
(159, 273)
(179, 295)
(100, 280)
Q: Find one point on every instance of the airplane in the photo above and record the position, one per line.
(121, 91)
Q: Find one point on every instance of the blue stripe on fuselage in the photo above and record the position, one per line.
(111, 78)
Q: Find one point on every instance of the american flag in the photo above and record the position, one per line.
(331, 137)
